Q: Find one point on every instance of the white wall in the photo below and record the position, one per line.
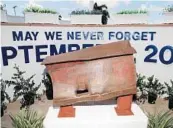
(121, 19)
(10, 18)
(31, 17)
(167, 17)
(161, 38)
(15, 19)
(65, 21)
(85, 19)
(128, 19)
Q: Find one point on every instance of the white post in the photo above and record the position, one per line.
(3, 16)
(91, 4)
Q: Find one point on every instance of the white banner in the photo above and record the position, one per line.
(27, 46)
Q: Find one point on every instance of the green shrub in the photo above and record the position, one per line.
(151, 85)
(23, 87)
(169, 89)
(48, 85)
(160, 120)
(4, 96)
(86, 12)
(141, 85)
(27, 119)
(154, 86)
(36, 9)
(133, 12)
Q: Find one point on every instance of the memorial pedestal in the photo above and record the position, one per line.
(96, 116)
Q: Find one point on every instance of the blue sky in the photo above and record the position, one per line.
(65, 7)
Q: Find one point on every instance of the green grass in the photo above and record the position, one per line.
(27, 119)
(160, 120)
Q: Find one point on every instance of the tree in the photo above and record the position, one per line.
(23, 87)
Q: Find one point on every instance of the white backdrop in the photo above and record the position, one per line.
(25, 45)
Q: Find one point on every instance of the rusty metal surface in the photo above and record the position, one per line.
(104, 79)
(96, 52)
(99, 79)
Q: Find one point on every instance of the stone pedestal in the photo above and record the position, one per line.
(96, 116)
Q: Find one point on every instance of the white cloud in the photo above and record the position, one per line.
(33, 3)
(151, 7)
(22, 6)
(143, 7)
(127, 2)
(65, 9)
(155, 8)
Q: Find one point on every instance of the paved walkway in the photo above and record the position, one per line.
(43, 105)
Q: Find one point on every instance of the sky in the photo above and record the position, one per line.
(64, 7)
